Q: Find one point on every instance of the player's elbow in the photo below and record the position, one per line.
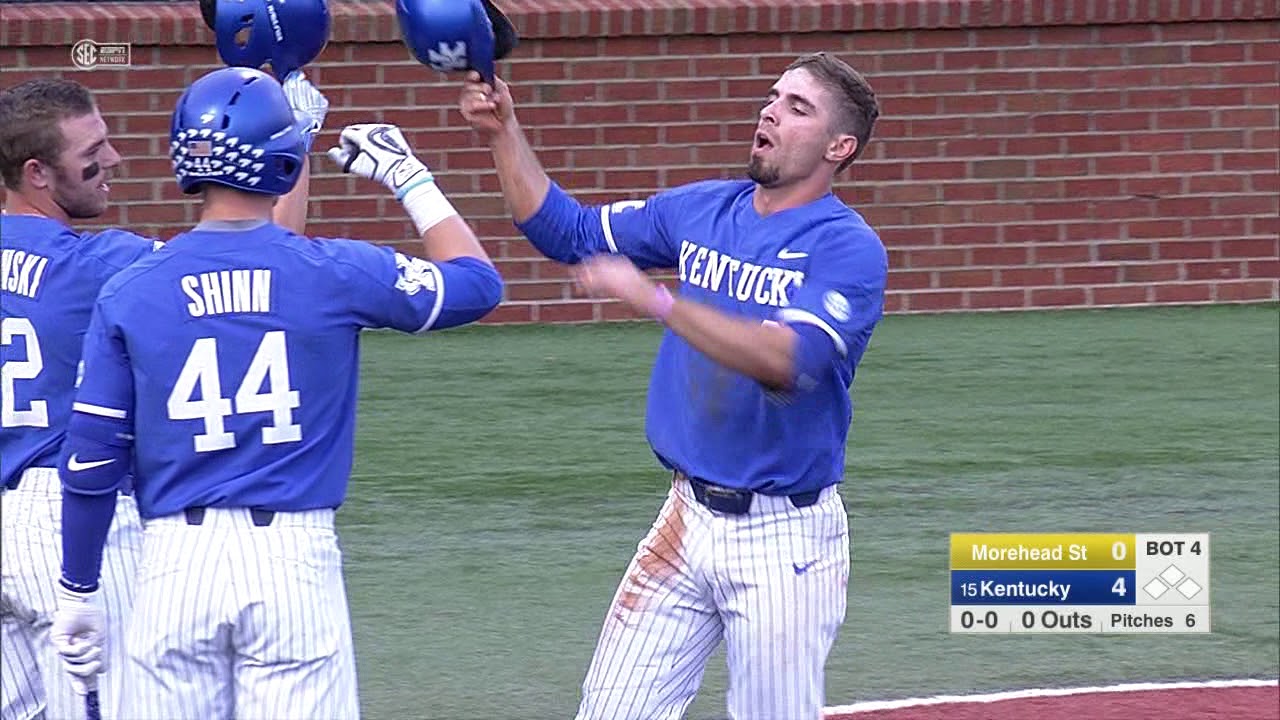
(96, 455)
(490, 289)
(472, 289)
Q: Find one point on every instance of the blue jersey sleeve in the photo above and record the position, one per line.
(393, 290)
(568, 232)
(106, 388)
(843, 291)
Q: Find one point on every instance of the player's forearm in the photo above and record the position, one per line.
(524, 181)
(764, 352)
(452, 238)
(86, 521)
(290, 210)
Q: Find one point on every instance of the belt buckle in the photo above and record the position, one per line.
(722, 499)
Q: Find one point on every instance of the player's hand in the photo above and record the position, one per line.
(309, 105)
(379, 152)
(79, 634)
(489, 109)
(613, 276)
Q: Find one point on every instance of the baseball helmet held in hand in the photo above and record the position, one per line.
(452, 35)
(286, 33)
(234, 127)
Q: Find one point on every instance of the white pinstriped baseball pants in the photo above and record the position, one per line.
(31, 674)
(772, 584)
(233, 620)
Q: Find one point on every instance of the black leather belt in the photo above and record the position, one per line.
(261, 518)
(737, 502)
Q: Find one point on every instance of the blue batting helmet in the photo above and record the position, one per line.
(451, 35)
(234, 127)
(286, 33)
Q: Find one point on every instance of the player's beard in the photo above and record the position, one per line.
(762, 173)
(79, 198)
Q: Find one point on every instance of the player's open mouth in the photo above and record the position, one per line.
(762, 142)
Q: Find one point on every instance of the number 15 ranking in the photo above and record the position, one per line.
(1080, 583)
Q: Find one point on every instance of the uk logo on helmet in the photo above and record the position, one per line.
(447, 58)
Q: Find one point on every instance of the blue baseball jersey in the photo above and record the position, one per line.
(234, 353)
(819, 265)
(50, 276)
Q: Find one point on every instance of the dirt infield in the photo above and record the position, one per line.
(1211, 700)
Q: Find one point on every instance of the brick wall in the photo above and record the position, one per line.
(1031, 154)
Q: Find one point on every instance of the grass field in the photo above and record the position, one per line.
(502, 482)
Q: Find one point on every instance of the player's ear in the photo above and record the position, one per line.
(36, 174)
(841, 148)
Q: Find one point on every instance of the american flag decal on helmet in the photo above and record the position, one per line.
(199, 148)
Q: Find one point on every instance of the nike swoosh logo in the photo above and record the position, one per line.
(791, 255)
(800, 569)
(75, 465)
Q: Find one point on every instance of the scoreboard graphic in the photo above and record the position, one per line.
(1080, 583)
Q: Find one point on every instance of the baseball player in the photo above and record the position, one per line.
(56, 161)
(780, 287)
(226, 364)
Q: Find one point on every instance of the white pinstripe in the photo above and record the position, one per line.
(699, 577)
(33, 677)
(234, 620)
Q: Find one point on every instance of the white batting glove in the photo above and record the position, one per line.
(79, 634)
(309, 105)
(379, 152)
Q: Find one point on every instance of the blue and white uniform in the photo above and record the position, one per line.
(50, 276)
(227, 363)
(752, 545)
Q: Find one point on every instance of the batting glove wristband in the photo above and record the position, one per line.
(379, 152)
(78, 634)
(309, 105)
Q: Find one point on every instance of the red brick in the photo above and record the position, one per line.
(1186, 249)
(1027, 277)
(973, 192)
(1215, 184)
(510, 313)
(991, 299)
(999, 255)
(1052, 297)
(1233, 161)
(524, 291)
(1248, 290)
(1157, 272)
(1125, 251)
(1248, 74)
(948, 170)
(1120, 295)
(911, 280)
(1263, 269)
(1156, 143)
(1214, 270)
(1246, 205)
(936, 301)
(1186, 163)
(935, 258)
(566, 312)
(1216, 227)
(966, 278)
(1183, 293)
(1252, 248)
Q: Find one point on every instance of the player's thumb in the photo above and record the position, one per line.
(340, 156)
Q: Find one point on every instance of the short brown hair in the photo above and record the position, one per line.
(858, 109)
(29, 117)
